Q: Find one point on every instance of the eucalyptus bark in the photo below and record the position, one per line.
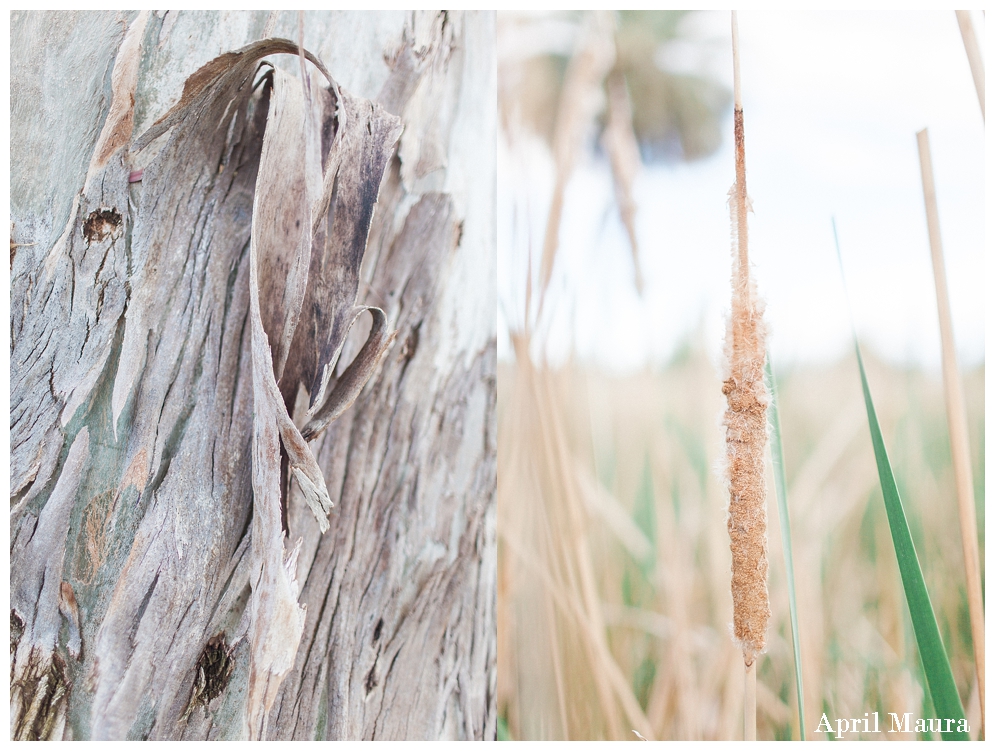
(213, 215)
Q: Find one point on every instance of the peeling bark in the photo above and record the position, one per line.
(194, 385)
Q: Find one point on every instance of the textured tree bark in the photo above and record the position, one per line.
(195, 239)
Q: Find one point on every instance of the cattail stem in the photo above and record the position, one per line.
(740, 198)
(957, 423)
(750, 703)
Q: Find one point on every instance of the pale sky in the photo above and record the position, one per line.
(832, 103)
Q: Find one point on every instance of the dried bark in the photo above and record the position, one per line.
(182, 417)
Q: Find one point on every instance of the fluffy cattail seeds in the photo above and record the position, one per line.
(745, 421)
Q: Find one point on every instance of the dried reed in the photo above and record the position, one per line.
(973, 55)
(856, 644)
(956, 420)
(745, 422)
(579, 104)
(619, 140)
(556, 611)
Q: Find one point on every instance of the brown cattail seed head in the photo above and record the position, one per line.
(745, 422)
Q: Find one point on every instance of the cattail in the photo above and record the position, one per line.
(745, 420)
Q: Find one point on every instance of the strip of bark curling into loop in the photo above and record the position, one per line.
(352, 381)
(221, 78)
(199, 86)
(284, 246)
(305, 244)
(301, 257)
(745, 419)
(277, 621)
(207, 94)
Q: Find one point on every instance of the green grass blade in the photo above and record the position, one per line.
(936, 665)
(781, 485)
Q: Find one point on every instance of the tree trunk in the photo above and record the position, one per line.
(194, 234)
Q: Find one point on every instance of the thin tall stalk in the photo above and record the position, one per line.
(746, 432)
(578, 107)
(620, 142)
(750, 703)
(781, 485)
(973, 56)
(957, 422)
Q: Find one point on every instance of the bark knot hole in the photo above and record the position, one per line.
(101, 224)
(371, 680)
(214, 669)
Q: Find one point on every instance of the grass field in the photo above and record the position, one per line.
(614, 602)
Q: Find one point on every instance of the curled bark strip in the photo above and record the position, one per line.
(363, 143)
(281, 229)
(290, 191)
(280, 248)
(277, 621)
(201, 87)
(351, 382)
(211, 96)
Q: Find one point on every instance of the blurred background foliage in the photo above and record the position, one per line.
(675, 115)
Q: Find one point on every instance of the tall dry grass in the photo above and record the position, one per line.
(615, 565)
(956, 420)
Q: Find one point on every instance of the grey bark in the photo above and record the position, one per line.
(181, 304)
